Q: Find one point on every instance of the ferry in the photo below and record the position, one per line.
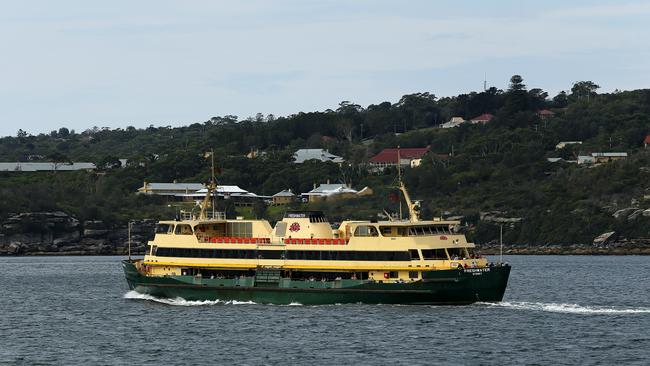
(304, 260)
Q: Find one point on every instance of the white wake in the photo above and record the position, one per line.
(179, 301)
(569, 308)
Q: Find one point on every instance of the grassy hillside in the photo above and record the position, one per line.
(500, 166)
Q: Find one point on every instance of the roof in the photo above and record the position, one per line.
(330, 189)
(390, 155)
(303, 155)
(174, 186)
(485, 117)
(647, 140)
(609, 154)
(285, 193)
(44, 166)
(545, 112)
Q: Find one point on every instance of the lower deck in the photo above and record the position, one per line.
(269, 285)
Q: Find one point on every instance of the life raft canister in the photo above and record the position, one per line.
(386, 275)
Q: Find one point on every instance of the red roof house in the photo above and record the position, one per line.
(646, 142)
(483, 118)
(545, 113)
(388, 157)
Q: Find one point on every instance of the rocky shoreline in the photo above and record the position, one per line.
(616, 248)
(57, 233)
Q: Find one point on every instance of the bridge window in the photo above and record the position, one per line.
(183, 229)
(164, 229)
(366, 230)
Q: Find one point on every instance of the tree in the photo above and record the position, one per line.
(516, 83)
(58, 159)
(584, 89)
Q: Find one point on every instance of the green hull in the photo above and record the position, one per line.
(442, 287)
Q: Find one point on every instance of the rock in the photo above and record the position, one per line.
(623, 213)
(604, 238)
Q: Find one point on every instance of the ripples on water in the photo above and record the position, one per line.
(557, 310)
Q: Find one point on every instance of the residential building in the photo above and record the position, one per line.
(330, 191)
(545, 113)
(585, 159)
(483, 118)
(388, 157)
(303, 155)
(453, 122)
(45, 166)
(283, 197)
(605, 157)
(646, 142)
(169, 189)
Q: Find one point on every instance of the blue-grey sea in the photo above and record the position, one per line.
(558, 310)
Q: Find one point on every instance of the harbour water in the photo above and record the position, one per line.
(558, 310)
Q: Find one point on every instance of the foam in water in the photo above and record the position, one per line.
(569, 308)
(179, 301)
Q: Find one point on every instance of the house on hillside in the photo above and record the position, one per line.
(646, 142)
(174, 189)
(45, 167)
(330, 191)
(545, 113)
(606, 157)
(283, 197)
(453, 122)
(303, 155)
(585, 160)
(483, 118)
(407, 158)
(239, 196)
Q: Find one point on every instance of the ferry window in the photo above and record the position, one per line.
(365, 230)
(413, 274)
(434, 254)
(386, 231)
(394, 274)
(456, 253)
(415, 256)
(280, 229)
(240, 229)
(183, 229)
(154, 249)
(163, 228)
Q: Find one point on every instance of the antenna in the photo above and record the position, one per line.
(501, 243)
(399, 178)
(484, 81)
(129, 226)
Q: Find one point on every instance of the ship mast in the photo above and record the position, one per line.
(413, 212)
(212, 187)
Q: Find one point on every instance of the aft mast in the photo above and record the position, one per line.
(212, 187)
(414, 216)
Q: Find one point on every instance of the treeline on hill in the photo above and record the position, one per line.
(498, 166)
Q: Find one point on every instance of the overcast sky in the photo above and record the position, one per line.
(117, 63)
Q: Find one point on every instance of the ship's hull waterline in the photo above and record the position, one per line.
(440, 287)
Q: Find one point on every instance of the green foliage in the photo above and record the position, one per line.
(499, 166)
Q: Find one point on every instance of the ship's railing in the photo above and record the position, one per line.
(235, 240)
(209, 215)
(316, 241)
